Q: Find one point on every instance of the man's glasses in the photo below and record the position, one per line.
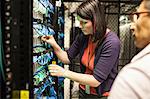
(134, 16)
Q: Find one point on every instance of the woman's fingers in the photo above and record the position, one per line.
(44, 38)
(56, 70)
(52, 68)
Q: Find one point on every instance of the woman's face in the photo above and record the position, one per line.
(86, 26)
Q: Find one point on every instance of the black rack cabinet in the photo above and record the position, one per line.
(17, 41)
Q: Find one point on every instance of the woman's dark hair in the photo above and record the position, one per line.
(95, 11)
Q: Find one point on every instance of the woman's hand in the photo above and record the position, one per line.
(49, 39)
(56, 70)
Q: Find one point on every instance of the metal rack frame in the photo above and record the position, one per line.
(17, 34)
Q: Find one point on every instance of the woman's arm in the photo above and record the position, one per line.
(61, 54)
(84, 79)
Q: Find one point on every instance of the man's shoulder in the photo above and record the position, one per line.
(142, 65)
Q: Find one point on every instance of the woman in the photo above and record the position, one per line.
(98, 49)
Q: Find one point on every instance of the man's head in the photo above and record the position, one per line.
(141, 24)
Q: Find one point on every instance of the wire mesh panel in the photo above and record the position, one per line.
(118, 21)
(111, 20)
(128, 49)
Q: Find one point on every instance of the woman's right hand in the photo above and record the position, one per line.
(49, 39)
(61, 54)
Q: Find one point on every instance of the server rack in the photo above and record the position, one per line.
(17, 44)
(17, 34)
(47, 20)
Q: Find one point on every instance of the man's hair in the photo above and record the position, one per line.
(94, 10)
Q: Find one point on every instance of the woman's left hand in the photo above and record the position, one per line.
(56, 70)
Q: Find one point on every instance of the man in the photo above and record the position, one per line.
(133, 81)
